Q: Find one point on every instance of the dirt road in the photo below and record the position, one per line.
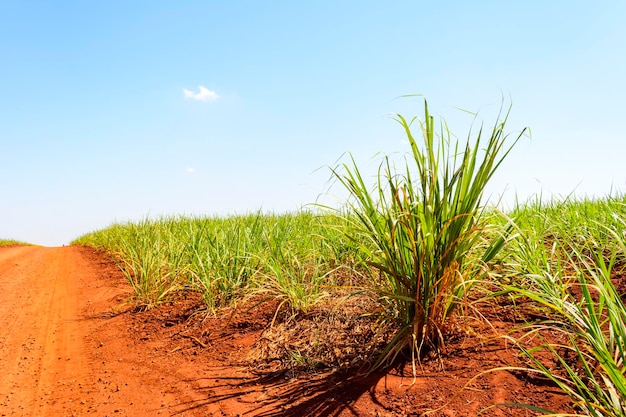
(60, 351)
(41, 345)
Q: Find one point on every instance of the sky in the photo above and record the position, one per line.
(115, 111)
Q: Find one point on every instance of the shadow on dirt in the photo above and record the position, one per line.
(329, 394)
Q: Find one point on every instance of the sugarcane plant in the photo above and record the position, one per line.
(421, 224)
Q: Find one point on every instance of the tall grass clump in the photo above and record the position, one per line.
(220, 255)
(421, 223)
(296, 268)
(150, 254)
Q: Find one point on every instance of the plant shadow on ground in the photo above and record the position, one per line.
(328, 394)
(267, 376)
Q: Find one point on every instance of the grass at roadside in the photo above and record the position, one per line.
(297, 257)
(11, 242)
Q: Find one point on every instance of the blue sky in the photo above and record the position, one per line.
(112, 111)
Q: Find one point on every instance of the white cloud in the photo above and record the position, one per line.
(190, 170)
(204, 95)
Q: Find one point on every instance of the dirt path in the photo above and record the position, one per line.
(58, 354)
(41, 348)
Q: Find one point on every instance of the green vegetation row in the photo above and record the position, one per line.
(421, 242)
(295, 257)
(567, 257)
(11, 242)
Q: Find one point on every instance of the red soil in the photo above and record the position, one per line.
(71, 346)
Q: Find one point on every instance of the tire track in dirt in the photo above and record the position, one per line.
(62, 350)
(41, 348)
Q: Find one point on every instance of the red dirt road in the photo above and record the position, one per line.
(42, 360)
(57, 357)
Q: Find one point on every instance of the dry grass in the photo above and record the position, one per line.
(341, 334)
